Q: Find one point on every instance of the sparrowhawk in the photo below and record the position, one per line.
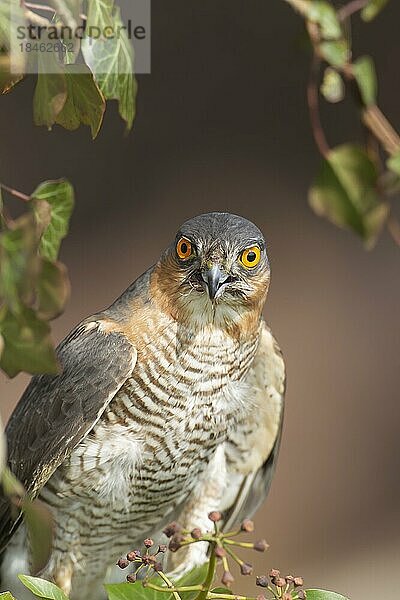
(169, 404)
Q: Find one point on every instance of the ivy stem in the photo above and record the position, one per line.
(239, 544)
(234, 556)
(203, 595)
(171, 588)
(378, 124)
(228, 596)
(350, 8)
(15, 193)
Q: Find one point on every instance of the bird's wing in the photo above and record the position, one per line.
(252, 450)
(56, 412)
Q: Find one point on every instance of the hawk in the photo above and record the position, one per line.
(169, 404)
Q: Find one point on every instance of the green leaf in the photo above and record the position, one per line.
(51, 90)
(7, 79)
(372, 9)
(111, 59)
(365, 75)
(332, 87)
(11, 485)
(134, 591)
(37, 519)
(60, 196)
(393, 163)
(27, 343)
(335, 53)
(85, 103)
(6, 596)
(193, 577)
(18, 261)
(345, 192)
(39, 524)
(42, 588)
(323, 13)
(11, 17)
(323, 595)
(52, 289)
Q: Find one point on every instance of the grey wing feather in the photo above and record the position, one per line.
(254, 489)
(252, 450)
(56, 412)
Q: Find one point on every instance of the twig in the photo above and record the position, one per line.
(349, 9)
(313, 107)
(378, 124)
(15, 193)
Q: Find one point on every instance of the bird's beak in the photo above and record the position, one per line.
(214, 277)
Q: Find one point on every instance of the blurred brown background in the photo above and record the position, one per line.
(222, 124)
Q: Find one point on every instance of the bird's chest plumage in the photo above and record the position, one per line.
(184, 395)
(160, 431)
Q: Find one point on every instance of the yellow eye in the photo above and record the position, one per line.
(184, 249)
(250, 257)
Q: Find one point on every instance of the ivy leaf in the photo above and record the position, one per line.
(136, 591)
(393, 163)
(51, 90)
(111, 59)
(335, 53)
(365, 75)
(37, 519)
(323, 13)
(345, 192)
(18, 261)
(27, 343)
(6, 596)
(133, 591)
(193, 577)
(39, 524)
(11, 17)
(332, 87)
(323, 595)
(372, 9)
(60, 196)
(7, 79)
(84, 103)
(52, 287)
(42, 588)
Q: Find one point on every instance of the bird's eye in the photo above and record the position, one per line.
(184, 249)
(250, 257)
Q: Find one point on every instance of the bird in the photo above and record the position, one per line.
(168, 405)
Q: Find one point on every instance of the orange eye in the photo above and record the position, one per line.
(184, 249)
(250, 257)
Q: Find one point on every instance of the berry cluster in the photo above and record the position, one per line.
(143, 560)
(282, 588)
(221, 544)
(222, 550)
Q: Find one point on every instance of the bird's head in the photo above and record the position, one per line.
(215, 271)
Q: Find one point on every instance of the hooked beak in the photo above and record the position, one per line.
(214, 278)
